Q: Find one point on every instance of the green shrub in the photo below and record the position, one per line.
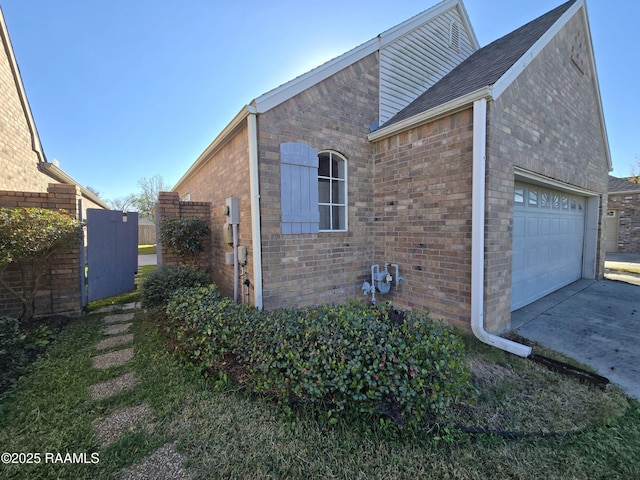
(166, 280)
(30, 237)
(404, 366)
(183, 236)
(198, 320)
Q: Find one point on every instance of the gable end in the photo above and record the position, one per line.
(415, 62)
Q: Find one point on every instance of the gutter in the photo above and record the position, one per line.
(55, 172)
(430, 115)
(254, 186)
(477, 236)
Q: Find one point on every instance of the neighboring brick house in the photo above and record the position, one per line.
(22, 160)
(622, 223)
(28, 180)
(478, 172)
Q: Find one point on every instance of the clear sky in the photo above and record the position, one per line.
(125, 89)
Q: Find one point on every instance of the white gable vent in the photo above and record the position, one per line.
(454, 35)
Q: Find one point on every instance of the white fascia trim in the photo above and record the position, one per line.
(523, 62)
(517, 68)
(596, 84)
(467, 23)
(63, 177)
(431, 114)
(411, 24)
(288, 90)
(624, 192)
(222, 138)
(537, 179)
(299, 84)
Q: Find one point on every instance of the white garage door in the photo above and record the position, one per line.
(548, 237)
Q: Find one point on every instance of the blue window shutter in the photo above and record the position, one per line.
(299, 188)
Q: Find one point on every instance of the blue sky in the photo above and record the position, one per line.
(125, 89)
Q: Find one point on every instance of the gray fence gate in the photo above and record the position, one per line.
(112, 252)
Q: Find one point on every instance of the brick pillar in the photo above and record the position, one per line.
(169, 205)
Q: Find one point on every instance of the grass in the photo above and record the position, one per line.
(146, 249)
(125, 297)
(577, 431)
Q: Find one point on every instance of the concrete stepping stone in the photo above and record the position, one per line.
(128, 419)
(115, 341)
(121, 317)
(163, 464)
(117, 329)
(112, 359)
(112, 308)
(114, 386)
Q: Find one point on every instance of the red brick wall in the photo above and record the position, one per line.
(18, 161)
(225, 174)
(628, 206)
(61, 289)
(333, 115)
(169, 205)
(547, 122)
(423, 216)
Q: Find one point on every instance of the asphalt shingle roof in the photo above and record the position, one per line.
(484, 67)
(622, 185)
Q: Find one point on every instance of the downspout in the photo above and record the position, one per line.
(477, 236)
(254, 185)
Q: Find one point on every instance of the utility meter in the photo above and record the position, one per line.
(227, 233)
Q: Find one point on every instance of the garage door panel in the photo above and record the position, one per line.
(519, 228)
(544, 226)
(548, 236)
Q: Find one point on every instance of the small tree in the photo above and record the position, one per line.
(123, 204)
(635, 171)
(183, 237)
(29, 237)
(145, 201)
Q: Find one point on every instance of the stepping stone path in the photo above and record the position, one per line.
(165, 462)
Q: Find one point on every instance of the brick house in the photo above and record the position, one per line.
(22, 159)
(29, 180)
(622, 222)
(474, 174)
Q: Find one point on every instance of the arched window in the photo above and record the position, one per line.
(332, 191)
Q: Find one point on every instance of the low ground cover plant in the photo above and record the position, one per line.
(161, 283)
(380, 361)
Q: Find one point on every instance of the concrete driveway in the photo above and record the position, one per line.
(594, 322)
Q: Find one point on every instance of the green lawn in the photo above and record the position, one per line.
(146, 249)
(568, 430)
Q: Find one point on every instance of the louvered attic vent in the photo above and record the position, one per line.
(454, 35)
